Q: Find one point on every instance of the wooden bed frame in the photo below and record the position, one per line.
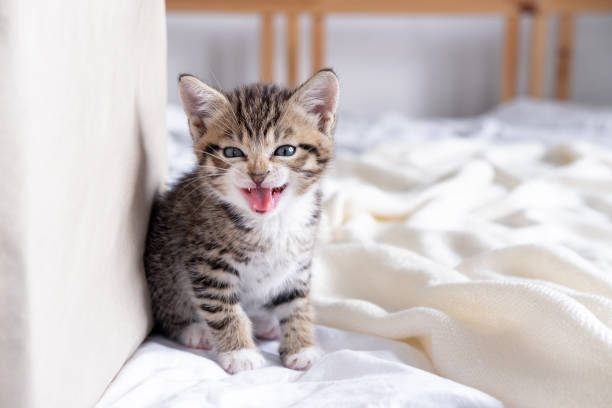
(566, 10)
(509, 10)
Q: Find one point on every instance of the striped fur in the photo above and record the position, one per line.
(212, 264)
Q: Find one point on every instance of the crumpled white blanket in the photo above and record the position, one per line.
(497, 259)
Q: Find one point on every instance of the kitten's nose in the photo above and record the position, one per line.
(258, 177)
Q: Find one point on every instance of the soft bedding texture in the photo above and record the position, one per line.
(356, 371)
(496, 258)
(483, 244)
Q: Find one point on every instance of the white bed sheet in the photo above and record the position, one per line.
(356, 370)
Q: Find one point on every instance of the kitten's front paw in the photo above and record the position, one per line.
(241, 360)
(196, 336)
(303, 359)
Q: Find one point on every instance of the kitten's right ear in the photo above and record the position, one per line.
(319, 96)
(200, 102)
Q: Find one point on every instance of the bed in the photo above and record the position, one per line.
(461, 263)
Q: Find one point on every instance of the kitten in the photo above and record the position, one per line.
(229, 248)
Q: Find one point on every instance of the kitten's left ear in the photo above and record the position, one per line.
(319, 96)
(202, 104)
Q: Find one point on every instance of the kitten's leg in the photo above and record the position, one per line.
(232, 335)
(297, 347)
(174, 315)
(217, 295)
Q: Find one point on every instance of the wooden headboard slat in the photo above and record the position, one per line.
(539, 46)
(293, 40)
(510, 63)
(267, 43)
(564, 55)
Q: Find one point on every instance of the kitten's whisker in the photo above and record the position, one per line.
(209, 166)
(197, 181)
(226, 122)
(215, 156)
(215, 78)
(234, 115)
(188, 194)
(200, 177)
(210, 175)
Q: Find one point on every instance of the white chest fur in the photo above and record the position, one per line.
(286, 234)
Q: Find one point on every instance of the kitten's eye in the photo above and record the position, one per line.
(232, 152)
(285, 150)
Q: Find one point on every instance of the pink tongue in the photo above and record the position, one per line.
(261, 199)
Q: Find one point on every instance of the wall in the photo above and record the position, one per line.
(421, 66)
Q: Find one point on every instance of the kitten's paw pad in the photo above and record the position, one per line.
(303, 359)
(197, 336)
(241, 360)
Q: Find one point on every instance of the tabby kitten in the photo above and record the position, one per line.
(229, 249)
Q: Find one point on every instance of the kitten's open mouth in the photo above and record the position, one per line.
(262, 199)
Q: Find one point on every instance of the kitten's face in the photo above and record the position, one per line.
(260, 146)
